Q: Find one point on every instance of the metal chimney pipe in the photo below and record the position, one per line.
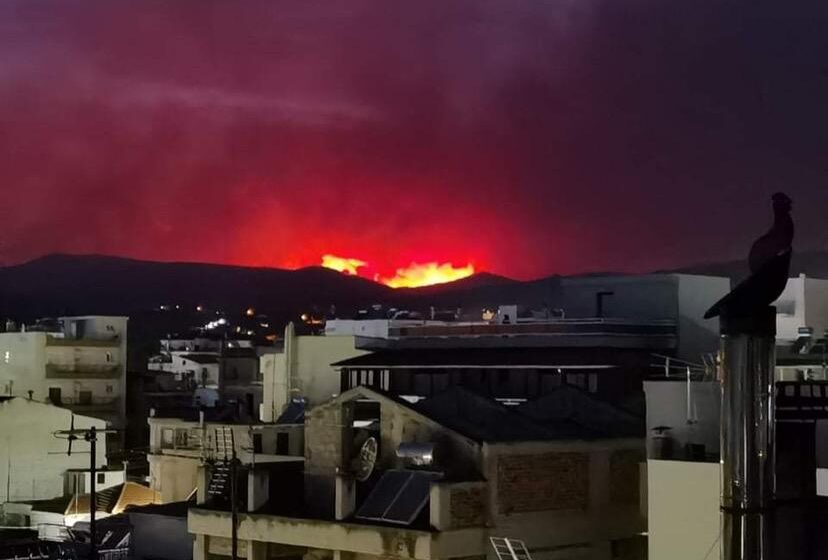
(747, 434)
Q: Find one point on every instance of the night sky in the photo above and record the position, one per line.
(524, 137)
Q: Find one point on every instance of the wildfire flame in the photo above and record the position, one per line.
(417, 275)
(344, 265)
(414, 275)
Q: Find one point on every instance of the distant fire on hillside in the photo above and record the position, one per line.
(415, 275)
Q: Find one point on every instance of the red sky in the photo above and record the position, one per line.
(525, 137)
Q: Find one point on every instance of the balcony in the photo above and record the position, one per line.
(83, 371)
(109, 342)
(86, 404)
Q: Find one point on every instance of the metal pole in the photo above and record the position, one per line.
(747, 435)
(92, 437)
(234, 506)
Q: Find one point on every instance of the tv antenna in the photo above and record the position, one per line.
(89, 435)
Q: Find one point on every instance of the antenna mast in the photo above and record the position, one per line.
(90, 435)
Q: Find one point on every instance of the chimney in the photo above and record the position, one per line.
(748, 474)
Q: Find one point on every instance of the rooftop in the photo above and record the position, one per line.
(461, 357)
(202, 358)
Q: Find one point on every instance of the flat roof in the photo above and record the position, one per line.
(467, 358)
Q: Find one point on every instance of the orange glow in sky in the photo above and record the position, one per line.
(414, 275)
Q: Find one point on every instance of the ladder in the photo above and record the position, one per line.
(224, 444)
(509, 549)
(219, 487)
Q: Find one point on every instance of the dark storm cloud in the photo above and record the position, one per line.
(529, 137)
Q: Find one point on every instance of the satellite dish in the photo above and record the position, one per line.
(366, 459)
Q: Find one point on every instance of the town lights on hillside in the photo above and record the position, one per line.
(250, 312)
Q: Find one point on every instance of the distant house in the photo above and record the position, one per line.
(201, 368)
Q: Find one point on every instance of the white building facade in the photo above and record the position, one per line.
(304, 370)
(33, 462)
(804, 303)
(81, 367)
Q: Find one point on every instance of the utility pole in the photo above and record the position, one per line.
(234, 504)
(90, 435)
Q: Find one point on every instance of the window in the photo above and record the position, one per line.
(282, 443)
(109, 356)
(593, 382)
(550, 382)
(576, 379)
(502, 377)
(7, 357)
(167, 436)
(257, 443)
(109, 388)
(181, 437)
(54, 395)
(101, 479)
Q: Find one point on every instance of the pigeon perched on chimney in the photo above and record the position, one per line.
(778, 239)
(770, 262)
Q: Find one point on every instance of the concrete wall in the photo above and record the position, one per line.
(173, 477)
(303, 369)
(696, 294)
(321, 537)
(33, 461)
(681, 297)
(683, 510)
(790, 310)
(643, 297)
(804, 303)
(565, 498)
(23, 365)
(160, 537)
(816, 299)
(667, 406)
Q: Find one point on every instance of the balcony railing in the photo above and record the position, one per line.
(107, 342)
(71, 371)
(94, 404)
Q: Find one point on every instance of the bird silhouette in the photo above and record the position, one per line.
(770, 263)
(778, 239)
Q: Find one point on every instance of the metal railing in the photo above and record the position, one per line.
(101, 371)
